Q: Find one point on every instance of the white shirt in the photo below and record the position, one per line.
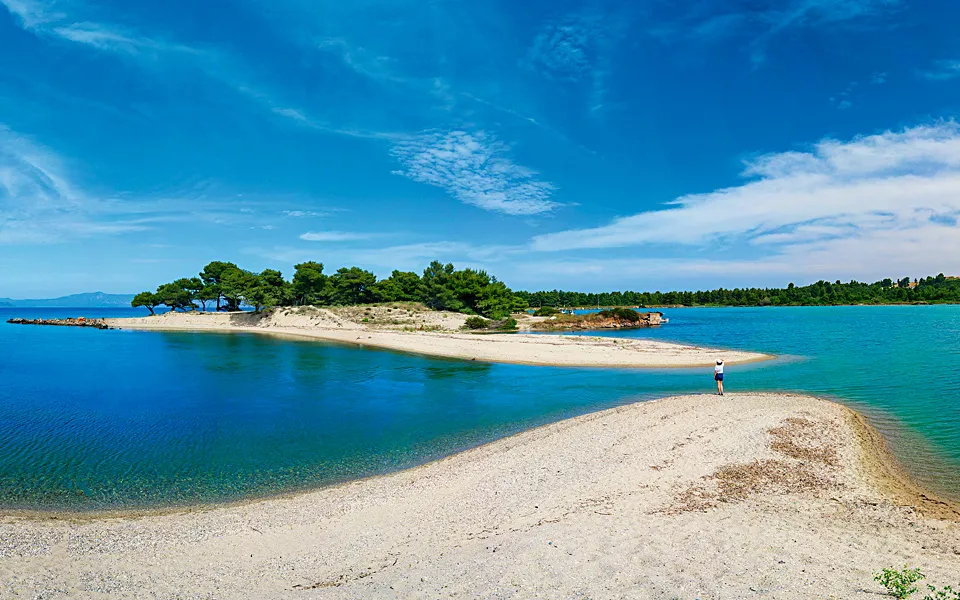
(718, 368)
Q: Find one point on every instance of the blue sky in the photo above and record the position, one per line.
(585, 145)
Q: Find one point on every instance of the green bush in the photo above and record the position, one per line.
(545, 311)
(626, 314)
(899, 583)
(475, 323)
(508, 323)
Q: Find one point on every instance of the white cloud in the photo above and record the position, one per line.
(906, 181)
(333, 236)
(475, 169)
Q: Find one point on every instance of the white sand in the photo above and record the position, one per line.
(438, 338)
(615, 504)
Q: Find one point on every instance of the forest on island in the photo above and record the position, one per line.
(930, 290)
(225, 286)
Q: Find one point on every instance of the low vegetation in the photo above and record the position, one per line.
(476, 323)
(479, 324)
(225, 286)
(623, 314)
(901, 583)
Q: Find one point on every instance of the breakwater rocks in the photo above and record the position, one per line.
(78, 322)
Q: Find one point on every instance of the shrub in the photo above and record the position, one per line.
(545, 311)
(475, 323)
(626, 314)
(508, 323)
(899, 583)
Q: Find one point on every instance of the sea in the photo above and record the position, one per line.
(95, 420)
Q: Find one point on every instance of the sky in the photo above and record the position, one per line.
(599, 145)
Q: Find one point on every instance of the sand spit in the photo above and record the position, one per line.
(751, 495)
(436, 334)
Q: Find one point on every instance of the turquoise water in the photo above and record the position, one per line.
(122, 419)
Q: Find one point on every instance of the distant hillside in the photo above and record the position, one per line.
(88, 300)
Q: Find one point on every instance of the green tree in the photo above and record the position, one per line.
(212, 277)
(401, 286)
(148, 299)
(496, 301)
(209, 293)
(234, 285)
(437, 292)
(309, 284)
(176, 295)
(351, 286)
(279, 291)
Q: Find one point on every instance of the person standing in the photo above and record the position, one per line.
(718, 377)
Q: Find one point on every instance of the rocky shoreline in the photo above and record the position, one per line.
(69, 322)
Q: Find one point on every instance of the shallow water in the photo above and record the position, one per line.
(95, 419)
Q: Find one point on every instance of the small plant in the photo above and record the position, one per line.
(366, 320)
(475, 323)
(545, 311)
(947, 593)
(899, 583)
(508, 324)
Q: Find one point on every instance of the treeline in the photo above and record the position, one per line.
(932, 290)
(225, 286)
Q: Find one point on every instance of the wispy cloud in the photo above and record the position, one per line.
(360, 60)
(942, 70)
(476, 169)
(39, 203)
(904, 181)
(304, 214)
(563, 50)
(333, 236)
(709, 21)
(577, 49)
(39, 18)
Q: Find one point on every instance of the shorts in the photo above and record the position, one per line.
(718, 376)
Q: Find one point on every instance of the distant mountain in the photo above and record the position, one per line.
(88, 300)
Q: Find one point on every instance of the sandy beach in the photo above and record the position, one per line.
(751, 495)
(437, 333)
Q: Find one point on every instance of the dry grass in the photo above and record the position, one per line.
(801, 440)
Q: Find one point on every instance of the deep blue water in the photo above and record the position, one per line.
(95, 419)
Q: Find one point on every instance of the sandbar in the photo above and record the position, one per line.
(749, 495)
(438, 334)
